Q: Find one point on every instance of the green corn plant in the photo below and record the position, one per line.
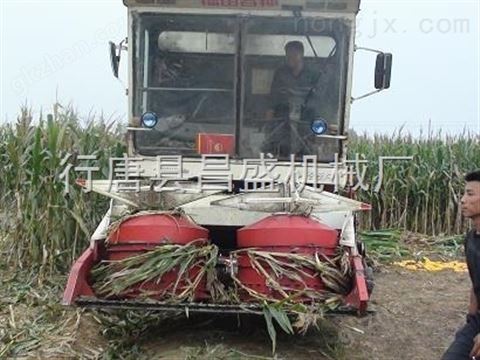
(47, 228)
(421, 195)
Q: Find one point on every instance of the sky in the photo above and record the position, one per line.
(57, 50)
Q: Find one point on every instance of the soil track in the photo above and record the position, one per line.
(416, 315)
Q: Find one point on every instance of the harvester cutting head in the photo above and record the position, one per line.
(165, 260)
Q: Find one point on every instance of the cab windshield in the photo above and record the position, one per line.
(229, 79)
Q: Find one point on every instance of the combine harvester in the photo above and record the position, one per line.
(212, 213)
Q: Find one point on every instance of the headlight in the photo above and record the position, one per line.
(149, 120)
(319, 127)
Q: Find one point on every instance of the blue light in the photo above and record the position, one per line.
(149, 120)
(319, 127)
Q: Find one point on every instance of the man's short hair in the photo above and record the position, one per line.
(473, 176)
(294, 45)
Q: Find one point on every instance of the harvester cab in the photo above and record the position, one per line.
(229, 197)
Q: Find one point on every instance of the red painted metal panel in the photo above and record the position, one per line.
(139, 234)
(358, 297)
(160, 288)
(157, 228)
(135, 236)
(287, 230)
(285, 234)
(77, 284)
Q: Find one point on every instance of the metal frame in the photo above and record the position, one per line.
(225, 11)
(373, 92)
(187, 308)
(163, 306)
(349, 87)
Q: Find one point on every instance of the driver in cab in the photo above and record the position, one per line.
(291, 88)
(291, 82)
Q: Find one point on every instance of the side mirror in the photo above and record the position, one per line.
(383, 71)
(114, 58)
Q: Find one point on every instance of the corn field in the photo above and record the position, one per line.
(41, 224)
(44, 227)
(421, 195)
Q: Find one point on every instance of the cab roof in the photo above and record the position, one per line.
(344, 6)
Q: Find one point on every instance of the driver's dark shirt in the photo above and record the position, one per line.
(286, 87)
(287, 137)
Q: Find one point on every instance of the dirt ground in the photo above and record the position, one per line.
(415, 315)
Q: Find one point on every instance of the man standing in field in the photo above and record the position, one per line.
(467, 340)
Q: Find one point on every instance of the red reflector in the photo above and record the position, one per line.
(215, 143)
